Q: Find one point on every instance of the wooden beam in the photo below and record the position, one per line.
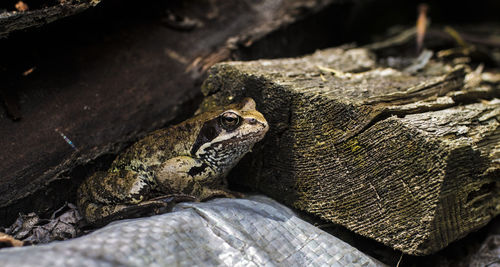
(389, 154)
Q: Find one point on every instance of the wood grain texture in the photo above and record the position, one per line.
(390, 155)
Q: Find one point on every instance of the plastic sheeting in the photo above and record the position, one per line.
(488, 254)
(223, 232)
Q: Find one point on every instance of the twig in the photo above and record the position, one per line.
(400, 258)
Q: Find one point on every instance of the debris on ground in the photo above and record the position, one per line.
(7, 241)
(21, 6)
(31, 229)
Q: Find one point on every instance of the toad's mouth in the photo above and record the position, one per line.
(242, 140)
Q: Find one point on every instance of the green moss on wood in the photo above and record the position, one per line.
(415, 182)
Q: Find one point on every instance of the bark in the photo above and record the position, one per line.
(410, 160)
(15, 20)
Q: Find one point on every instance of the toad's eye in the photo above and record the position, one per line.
(230, 120)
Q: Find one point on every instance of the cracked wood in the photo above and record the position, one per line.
(402, 158)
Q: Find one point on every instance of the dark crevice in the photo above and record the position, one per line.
(379, 117)
(48, 198)
(484, 191)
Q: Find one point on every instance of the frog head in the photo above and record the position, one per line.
(229, 133)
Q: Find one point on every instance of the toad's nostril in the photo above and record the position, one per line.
(252, 121)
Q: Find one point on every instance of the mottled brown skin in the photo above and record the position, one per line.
(187, 161)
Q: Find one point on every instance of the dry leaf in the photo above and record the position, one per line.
(21, 6)
(9, 241)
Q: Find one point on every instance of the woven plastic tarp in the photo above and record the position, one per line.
(223, 232)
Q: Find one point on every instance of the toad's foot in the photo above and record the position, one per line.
(117, 212)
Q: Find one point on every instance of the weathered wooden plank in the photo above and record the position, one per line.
(15, 21)
(388, 154)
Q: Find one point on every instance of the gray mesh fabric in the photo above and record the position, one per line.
(224, 232)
